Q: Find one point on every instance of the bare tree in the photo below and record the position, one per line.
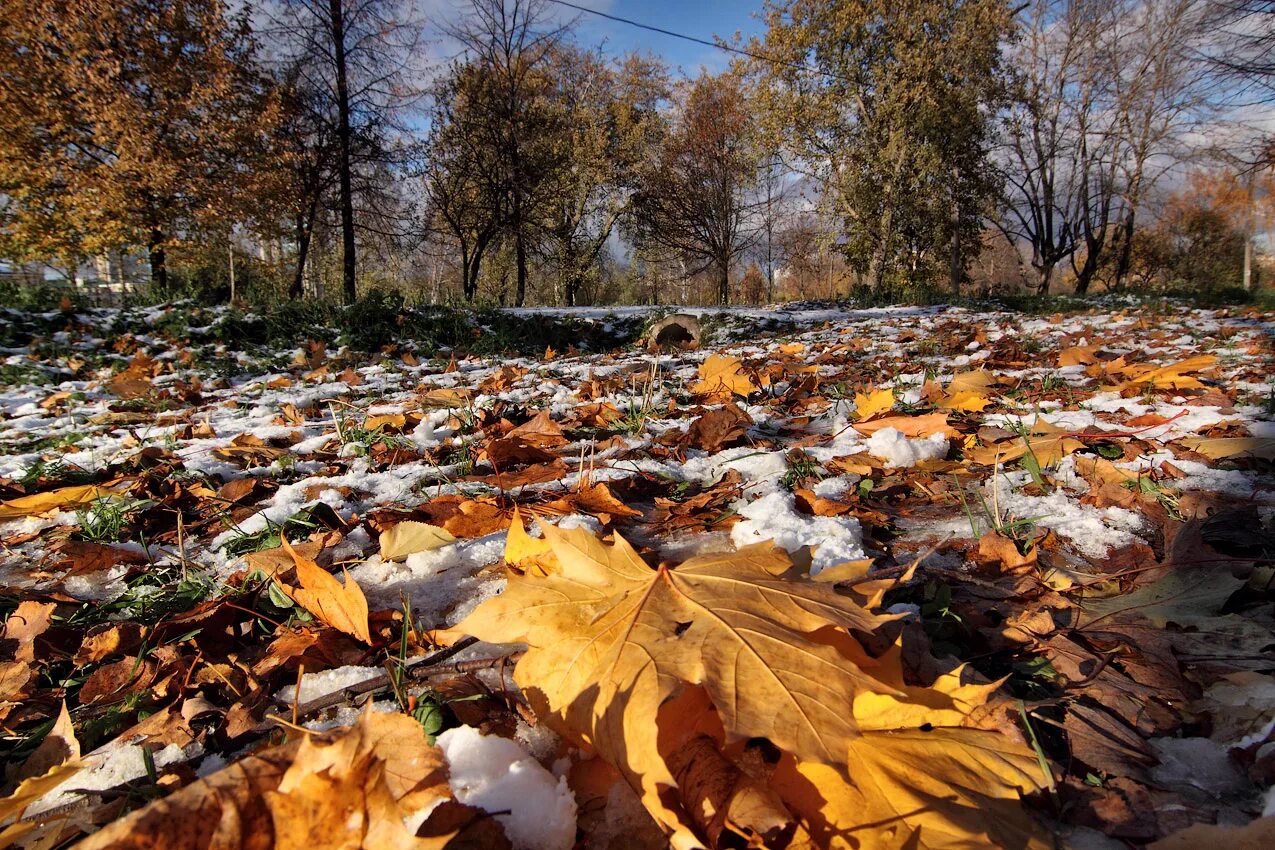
(357, 55)
(1057, 151)
(1161, 93)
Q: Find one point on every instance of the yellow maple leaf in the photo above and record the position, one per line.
(1173, 376)
(409, 537)
(611, 639)
(65, 497)
(1048, 443)
(722, 374)
(965, 400)
(525, 553)
(872, 403)
(341, 606)
(1224, 447)
(977, 381)
(948, 788)
(741, 647)
(27, 792)
(1078, 355)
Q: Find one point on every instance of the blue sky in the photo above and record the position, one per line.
(700, 18)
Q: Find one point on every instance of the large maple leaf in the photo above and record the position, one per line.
(612, 643)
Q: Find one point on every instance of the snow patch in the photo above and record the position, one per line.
(537, 811)
(896, 450)
(775, 517)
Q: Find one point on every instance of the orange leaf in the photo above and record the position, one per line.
(343, 607)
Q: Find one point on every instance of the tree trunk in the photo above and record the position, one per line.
(464, 276)
(159, 261)
(1125, 260)
(723, 282)
(297, 289)
(1248, 233)
(520, 257)
(337, 15)
(1044, 276)
(1085, 275)
(954, 219)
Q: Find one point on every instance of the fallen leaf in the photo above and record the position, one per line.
(1258, 834)
(942, 788)
(722, 374)
(872, 403)
(611, 639)
(409, 537)
(27, 792)
(1173, 376)
(60, 746)
(910, 426)
(341, 606)
(27, 622)
(1048, 443)
(717, 429)
(525, 553)
(1218, 448)
(967, 401)
(343, 790)
(65, 497)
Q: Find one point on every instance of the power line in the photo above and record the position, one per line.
(797, 66)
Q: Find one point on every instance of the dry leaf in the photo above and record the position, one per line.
(27, 622)
(722, 374)
(910, 426)
(59, 746)
(943, 788)
(344, 790)
(343, 607)
(977, 382)
(1258, 834)
(611, 639)
(1049, 443)
(66, 497)
(409, 537)
(525, 553)
(1224, 447)
(968, 401)
(1174, 376)
(27, 792)
(872, 403)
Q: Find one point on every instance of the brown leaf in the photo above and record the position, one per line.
(28, 621)
(717, 429)
(347, 789)
(506, 452)
(996, 548)
(540, 431)
(60, 746)
(341, 606)
(1258, 834)
(107, 639)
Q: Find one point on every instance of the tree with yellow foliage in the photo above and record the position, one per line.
(124, 124)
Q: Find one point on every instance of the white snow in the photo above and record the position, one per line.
(897, 450)
(324, 682)
(775, 517)
(537, 810)
(110, 765)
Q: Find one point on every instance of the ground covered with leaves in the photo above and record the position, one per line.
(915, 577)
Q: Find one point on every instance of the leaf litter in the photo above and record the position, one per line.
(905, 577)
